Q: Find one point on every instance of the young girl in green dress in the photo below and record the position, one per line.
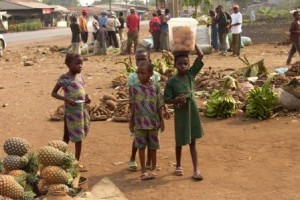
(77, 119)
(180, 92)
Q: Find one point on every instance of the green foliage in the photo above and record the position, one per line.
(27, 26)
(196, 3)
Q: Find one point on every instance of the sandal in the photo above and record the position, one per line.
(147, 176)
(197, 176)
(82, 168)
(178, 171)
(132, 166)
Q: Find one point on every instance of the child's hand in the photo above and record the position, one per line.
(199, 52)
(180, 99)
(167, 114)
(87, 99)
(131, 126)
(70, 102)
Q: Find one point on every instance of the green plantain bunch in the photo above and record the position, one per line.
(261, 101)
(220, 104)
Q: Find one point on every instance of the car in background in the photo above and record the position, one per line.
(2, 44)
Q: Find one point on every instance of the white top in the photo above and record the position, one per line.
(236, 18)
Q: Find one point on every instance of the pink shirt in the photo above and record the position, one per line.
(133, 22)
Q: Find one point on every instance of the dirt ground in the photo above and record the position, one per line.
(240, 158)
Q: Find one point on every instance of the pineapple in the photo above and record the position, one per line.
(1, 164)
(42, 187)
(12, 162)
(54, 175)
(32, 165)
(16, 146)
(52, 156)
(29, 195)
(10, 188)
(59, 144)
(5, 198)
(20, 176)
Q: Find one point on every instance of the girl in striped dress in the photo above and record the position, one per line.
(76, 120)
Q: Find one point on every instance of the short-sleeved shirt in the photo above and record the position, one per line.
(163, 20)
(83, 23)
(236, 18)
(133, 22)
(133, 78)
(146, 101)
(154, 24)
(102, 21)
(294, 37)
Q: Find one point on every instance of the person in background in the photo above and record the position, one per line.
(133, 25)
(294, 37)
(121, 28)
(214, 31)
(112, 23)
(102, 19)
(236, 30)
(83, 26)
(95, 26)
(75, 35)
(223, 20)
(179, 91)
(252, 17)
(100, 42)
(76, 117)
(154, 29)
(164, 30)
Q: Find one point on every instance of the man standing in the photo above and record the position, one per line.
(83, 26)
(223, 20)
(121, 28)
(102, 19)
(112, 23)
(236, 29)
(133, 25)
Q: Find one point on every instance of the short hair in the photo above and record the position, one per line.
(296, 13)
(167, 10)
(179, 55)
(154, 14)
(121, 13)
(73, 19)
(147, 64)
(70, 57)
(142, 50)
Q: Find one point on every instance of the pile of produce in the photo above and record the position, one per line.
(120, 80)
(19, 170)
(294, 70)
(220, 104)
(26, 174)
(58, 114)
(122, 92)
(98, 112)
(122, 112)
(261, 101)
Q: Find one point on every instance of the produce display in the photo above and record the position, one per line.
(261, 101)
(98, 112)
(183, 38)
(220, 104)
(122, 112)
(294, 70)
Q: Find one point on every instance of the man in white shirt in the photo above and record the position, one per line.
(236, 29)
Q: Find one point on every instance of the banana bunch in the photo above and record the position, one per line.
(230, 83)
(160, 66)
(220, 105)
(168, 57)
(261, 101)
(130, 68)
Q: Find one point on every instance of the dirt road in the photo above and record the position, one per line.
(240, 158)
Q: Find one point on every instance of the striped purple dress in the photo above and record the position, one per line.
(77, 118)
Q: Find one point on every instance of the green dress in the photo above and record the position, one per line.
(187, 119)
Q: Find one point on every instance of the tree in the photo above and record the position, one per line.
(196, 4)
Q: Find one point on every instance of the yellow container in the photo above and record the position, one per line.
(182, 34)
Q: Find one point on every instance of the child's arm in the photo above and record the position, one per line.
(87, 99)
(161, 118)
(198, 64)
(57, 96)
(132, 110)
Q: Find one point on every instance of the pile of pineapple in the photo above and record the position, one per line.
(19, 170)
(27, 173)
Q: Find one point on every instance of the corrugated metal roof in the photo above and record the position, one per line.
(20, 5)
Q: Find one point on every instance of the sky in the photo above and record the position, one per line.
(86, 2)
